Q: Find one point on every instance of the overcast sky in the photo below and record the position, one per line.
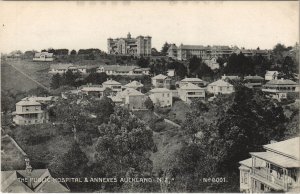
(74, 25)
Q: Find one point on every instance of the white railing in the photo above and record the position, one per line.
(269, 177)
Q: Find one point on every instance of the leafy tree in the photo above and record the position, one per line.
(164, 49)
(142, 62)
(149, 104)
(123, 146)
(73, 52)
(180, 68)
(73, 164)
(56, 81)
(96, 78)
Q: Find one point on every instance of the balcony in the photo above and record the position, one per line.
(263, 175)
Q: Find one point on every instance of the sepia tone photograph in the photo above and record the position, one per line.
(150, 97)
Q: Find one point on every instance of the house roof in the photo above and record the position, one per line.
(190, 86)
(281, 82)
(159, 90)
(277, 159)
(111, 82)
(231, 77)
(131, 92)
(92, 89)
(40, 98)
(119, 68)
(28, 103)
(87, 66)
(192, 79)
(12, 155)
(290, 147)
(10, 182)
(160, 76)
(134, 84)
(43, 53)
(256, 77)
(271, 72)
(220, 82)
(195, 47)
(248, 163)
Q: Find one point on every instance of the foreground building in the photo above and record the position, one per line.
(280, 89)
(253, 81)
(113, 85)
(275, 170)
(189, 92)
(30, 112)
(161, 97)
(139, 46)
(30, 181)
(220, 87)
(193, 80)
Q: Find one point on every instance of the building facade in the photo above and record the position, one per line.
(161, 97)
(280, 89)
(220, 87)
(43, 56)
(30, 112)
(139, 46)
(189, 92)
(275, 170)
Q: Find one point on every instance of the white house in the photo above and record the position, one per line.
(220, 87)
(161, 97)
(189, 91)
(30, 112)
(127, 70)
(112, 84)
(193, 80)
(87, 69)
(62, 68)
(171, 72)
(93, 90)
(271, 75)
(159, 80)
(43, 56)
(280, 89)
(212, 63)
(132, 99)
(275, 170)
(134, 84)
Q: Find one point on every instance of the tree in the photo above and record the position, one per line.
(149, 104)
(165, 48)
(180, 68)
(96, 78)
(56, 81)
(73, 164)
(73, 52)
(142, 62)
(122, 146)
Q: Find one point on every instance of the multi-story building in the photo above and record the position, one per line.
(113, 85)
(275, 170)
(193, 80)
(134, 85)
(220, 87)
(253, 81)
(280, 89)
(30, 112)
(96, 91)
(161, 97)
(189, 91)
(127, 70)
(139, 46)
(158, 81)
(185, 52)
(132, 99)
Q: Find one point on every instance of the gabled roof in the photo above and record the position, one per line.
(28, 103)
(159, 90)
(248, 163)
(220, 82)
(111, 82)
(92, 89)
(41, 98)
(190, 86)
(281, 82)
(192, 79)
(290, 147)
(160, 76)
(131, 92)
(134, 84)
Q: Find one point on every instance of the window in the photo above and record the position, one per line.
(245, 177)
(262, 187)
(163, 95)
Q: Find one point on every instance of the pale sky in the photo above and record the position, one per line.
(75, 25)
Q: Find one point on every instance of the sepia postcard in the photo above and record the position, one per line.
(150, 96)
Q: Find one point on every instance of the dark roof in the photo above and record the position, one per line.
(255, 77)
(281, 82)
